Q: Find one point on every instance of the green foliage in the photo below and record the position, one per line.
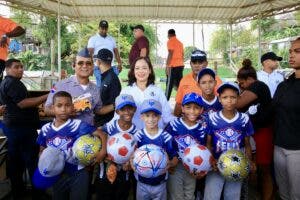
(33, 61)
(188, 52)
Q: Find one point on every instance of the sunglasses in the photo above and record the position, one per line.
(81, 63)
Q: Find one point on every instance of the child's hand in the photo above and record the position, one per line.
(199, 175)
(213, 163)
(252, 167)
(172, 165)
(99, 157)
(126, 166)
(111, 172)
(131, 163)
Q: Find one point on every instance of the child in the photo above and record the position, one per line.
(186, 130)
(153, 188)
(207, 83)
(119, 189)
(229, 129)
(61, 134)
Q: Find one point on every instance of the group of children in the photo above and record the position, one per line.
(208, 120)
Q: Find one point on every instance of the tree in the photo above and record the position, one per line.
(188, 52)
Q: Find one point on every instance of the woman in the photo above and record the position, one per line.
(256, 101)
(141, 86)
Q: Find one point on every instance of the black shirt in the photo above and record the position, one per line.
(13, 91)
(260, 119)
(110, 88)
(286, 104)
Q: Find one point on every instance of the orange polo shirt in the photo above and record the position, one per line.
(188, 84)
(177, 47)
(6, 25)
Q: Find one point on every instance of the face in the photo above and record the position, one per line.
(191, 112)
(294, 58)
(126, 113)
(150, 119)
(197, 66)
(62, 108)
(207, 84)
(141, 71)
(83, 67)
(16, 70)
(245, 83)
(272, 64)
(228, 99)
(103, 31)
(137, 33)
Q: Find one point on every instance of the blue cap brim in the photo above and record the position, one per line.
(192, 101)
(122, 105)
(151, 109)
(222, 87)
(42, 182)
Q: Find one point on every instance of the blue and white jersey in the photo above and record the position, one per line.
(228, 134)
(64, 136)
(112, 128)
(212, 106)
(185, 135)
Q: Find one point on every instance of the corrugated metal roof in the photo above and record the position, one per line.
(206, 11)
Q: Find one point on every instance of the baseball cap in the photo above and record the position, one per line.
(104, 55)
(205, 71)
(198, 55)
(231, 85)
(171, 31)
(50, 166)
(103, 24)
(270, 55)
(84, 53)
(192, 98)
(151, 105)
(139, 26)
(124, 100)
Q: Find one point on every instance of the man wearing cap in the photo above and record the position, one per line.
(174, 63)
(85, 94)
(110, 87)
(269, 75)
(140, 47)
(189, 82)
(100, 41)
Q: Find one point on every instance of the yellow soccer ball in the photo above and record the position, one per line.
(234, 165)
(85, 147)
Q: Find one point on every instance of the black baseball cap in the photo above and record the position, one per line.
(270, 55)
(139, 26)
(205, 71)
(103, 24)
(198, 55)
(105, 55)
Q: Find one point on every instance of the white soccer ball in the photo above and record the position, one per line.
(120, 147)
(150, 161)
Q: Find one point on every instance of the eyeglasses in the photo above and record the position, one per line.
(81, 63)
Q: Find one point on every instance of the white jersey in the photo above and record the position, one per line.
(272, 80)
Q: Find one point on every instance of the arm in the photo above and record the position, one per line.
(18, 31)
(118, 58)
(143, 52)
(170, 54)
(245, 98)
(91, 51)
(209, 146)
(248, 152)
(102, 153)
(32, 102)
(105, 109)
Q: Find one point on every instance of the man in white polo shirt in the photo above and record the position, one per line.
(104, 41)
(269, 75)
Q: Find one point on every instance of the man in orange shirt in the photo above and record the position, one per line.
(8, 29)
(174, 63)
(189, 82)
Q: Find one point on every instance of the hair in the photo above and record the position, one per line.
(296, 40)
(171, 32)
(131, 76)
(247, 70)
(10, 61)
(61, 94)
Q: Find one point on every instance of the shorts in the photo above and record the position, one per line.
(264, 146)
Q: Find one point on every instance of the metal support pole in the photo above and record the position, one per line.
(194, 34)
(259, 38)
(58, 42)
(202, 32)
(230, 46)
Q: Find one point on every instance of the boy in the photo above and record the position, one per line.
(229, 129)
(119, 189)
(207, 83)
(186, 130)
(61, 134)
(153, 188)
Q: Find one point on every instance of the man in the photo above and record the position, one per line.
(21, 120)
(110, 87)
(100, 41)
(140, 47)
(8, 29)
(269, 75)
(189, 82)
(174, 63)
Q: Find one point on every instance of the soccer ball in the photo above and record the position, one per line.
(85, 147)
(120, 147)
(233, 165)
(197, 158)
(150, 161)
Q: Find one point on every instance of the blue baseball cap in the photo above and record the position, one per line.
(151, 105)
(84, 53)
(192, 98)
(124, 100)
(50, 166)
(231, 85)
(205, 71)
